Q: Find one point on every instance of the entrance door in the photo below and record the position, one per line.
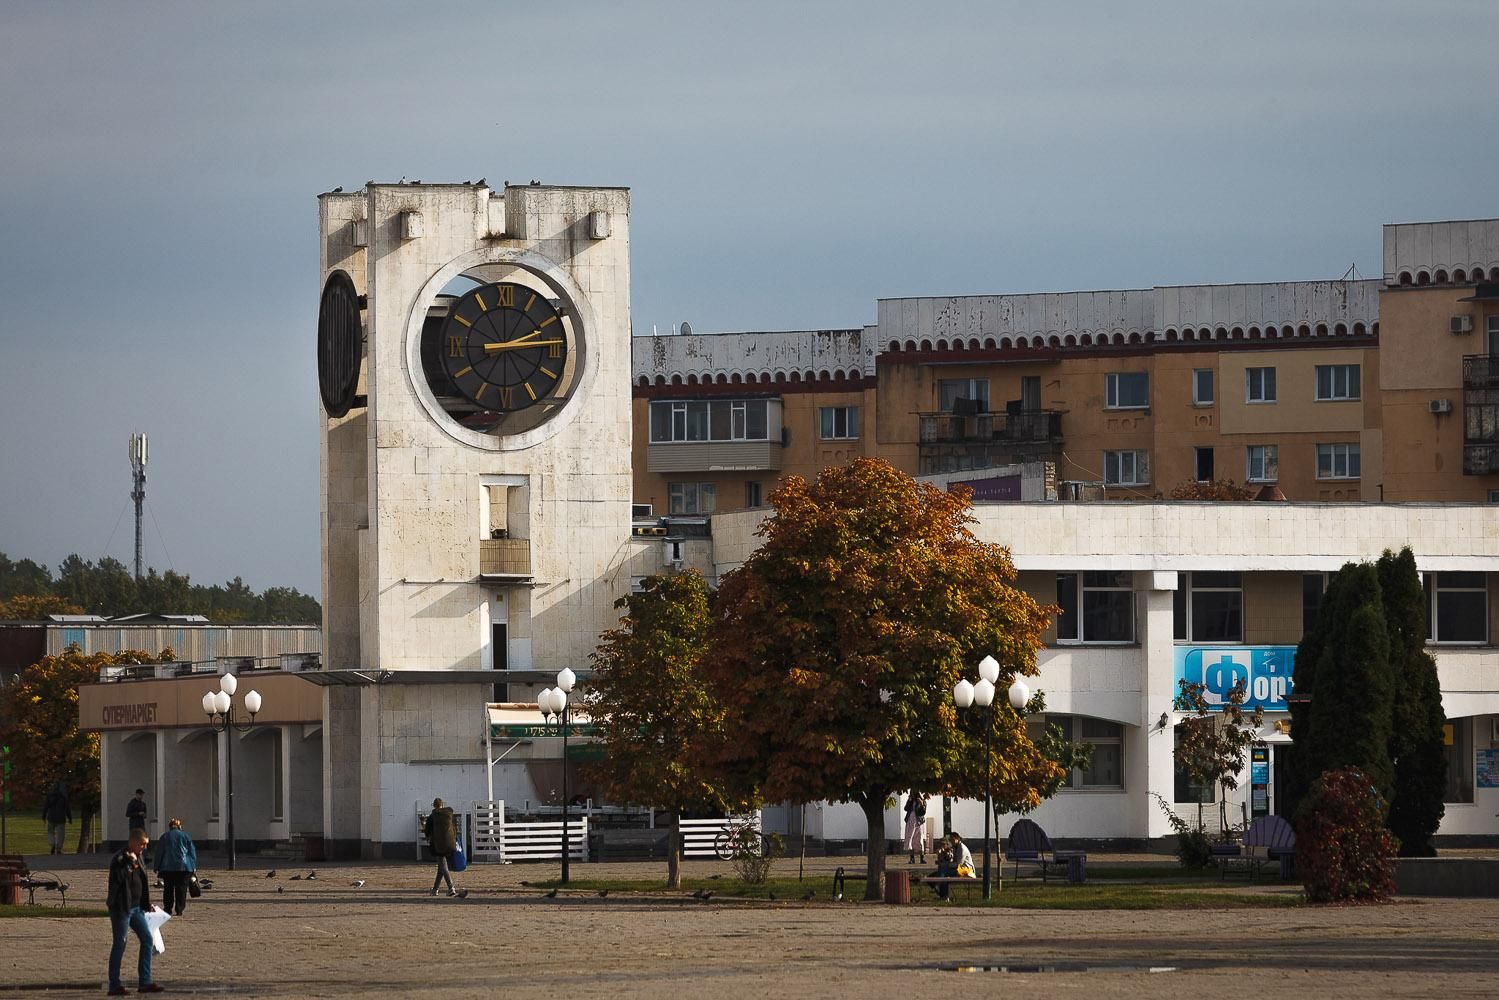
(1282, 756)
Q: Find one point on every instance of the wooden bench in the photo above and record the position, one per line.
(1029, 844)
(1269, 839)
(15, 871)
(968, 882)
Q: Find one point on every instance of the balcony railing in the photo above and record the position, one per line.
(504, 557)
(1481, 371)
(1480, 459)
(1026, 427)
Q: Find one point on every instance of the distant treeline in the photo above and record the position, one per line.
(108, 588)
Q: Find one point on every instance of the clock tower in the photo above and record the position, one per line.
(474, 368)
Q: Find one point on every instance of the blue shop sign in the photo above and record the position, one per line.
(1265, 672)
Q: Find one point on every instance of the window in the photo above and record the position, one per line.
(753, 495)
(1106, 768)
(720, 420)
(1264, 463)
(1126, 468)
(1203, 461)
(973, 391)
(1493, 332)
(839, 422)
(1127, 390)
(692, 498)
(1493, 496)
(1457, 747)
(1102, 611)
(1337, 461)
(1209, 607)
(1457, 607)
(1188, 790)
(1337, 382)
(1259, 385)
(1313, 585)
(278, 776)
(1202, 386)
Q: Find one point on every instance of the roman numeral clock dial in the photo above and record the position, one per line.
(504, 348)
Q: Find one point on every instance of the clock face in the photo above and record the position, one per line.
(504, 348)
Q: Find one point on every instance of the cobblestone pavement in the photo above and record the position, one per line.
(328, 938)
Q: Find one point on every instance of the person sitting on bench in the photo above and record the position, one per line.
(954, 860)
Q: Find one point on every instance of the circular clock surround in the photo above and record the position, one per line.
(340, 338)
(521, 428)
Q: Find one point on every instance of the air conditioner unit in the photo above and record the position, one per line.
(1461, 324)
(1440, 405)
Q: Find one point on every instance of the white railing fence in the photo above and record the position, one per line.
(493, 838)
(700, 836)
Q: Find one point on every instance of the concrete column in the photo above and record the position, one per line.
(341, 750)
(1153, 767)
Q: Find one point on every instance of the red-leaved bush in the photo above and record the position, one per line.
(1344, 852)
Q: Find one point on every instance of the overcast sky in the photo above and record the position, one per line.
(790, 163)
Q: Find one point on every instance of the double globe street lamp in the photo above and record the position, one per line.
(219, 707)
(966, 694)
(553, 704)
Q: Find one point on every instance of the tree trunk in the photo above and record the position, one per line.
(874, 857)
(85, 830)
(674, 853)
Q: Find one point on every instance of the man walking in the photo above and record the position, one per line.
(442, 838)
(129, 899)
(135, 811)
(58, 814)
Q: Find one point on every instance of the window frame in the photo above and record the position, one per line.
(1072, 729)
(968, 386)
(1076, 607)
(1112, 386)
(1350, 456)
(1431, 583)
(1267, 387)
(1198, 374)
(682, 415)
(754, 493)
(699, 491)
(1181, 783)
(1135, 463)
(1351, 376)
(827, 414)
(1184, 614)
(1270, 451)
(1197, 454)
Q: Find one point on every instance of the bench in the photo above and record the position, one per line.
(14, 872)
(1029, 844)
(961, 881)
(840, 876)
(1269, 839)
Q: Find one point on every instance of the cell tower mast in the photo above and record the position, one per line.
(138, 494)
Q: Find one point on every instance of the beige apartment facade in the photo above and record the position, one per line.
(1347, 390)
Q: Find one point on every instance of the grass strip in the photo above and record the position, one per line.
(44, 912)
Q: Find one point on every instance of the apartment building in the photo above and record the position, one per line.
(1341, 390)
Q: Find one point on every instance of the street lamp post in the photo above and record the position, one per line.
(965, 694)
(219, 707)
(553, 703)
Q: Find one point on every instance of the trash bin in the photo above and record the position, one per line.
(898, 887)
(10, 887)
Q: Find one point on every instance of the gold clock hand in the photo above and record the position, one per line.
(514, 344)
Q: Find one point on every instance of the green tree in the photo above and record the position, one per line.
(1343, 667)
(652, 705)
(23, 577)
(41, 719)
(1416, 736)
(836, 645)
(1213, 744)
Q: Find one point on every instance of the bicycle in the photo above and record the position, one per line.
(738, 839)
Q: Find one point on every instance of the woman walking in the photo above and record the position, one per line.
(442, 838)
(916, 826)
(176, 861)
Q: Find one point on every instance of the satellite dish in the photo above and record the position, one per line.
(686, 328)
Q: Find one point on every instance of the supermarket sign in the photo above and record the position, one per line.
(1264, 671)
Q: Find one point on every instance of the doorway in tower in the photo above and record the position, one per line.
(499, 645)
(1282, 759)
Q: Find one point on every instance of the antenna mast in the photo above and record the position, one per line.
(138, 494)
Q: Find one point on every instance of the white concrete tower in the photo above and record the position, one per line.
(475, 473)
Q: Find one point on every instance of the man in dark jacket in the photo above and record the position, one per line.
(129, 899)
(58, 814)
(135, 811)
(442, 838)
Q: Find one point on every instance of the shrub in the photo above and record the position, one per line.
(1193, 848)
(1343, 850)
(755, 855)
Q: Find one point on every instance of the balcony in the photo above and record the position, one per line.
(505, 558)
(713, 456)
(951, 442)
(1481, 371)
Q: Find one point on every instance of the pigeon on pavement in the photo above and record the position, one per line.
(808, 895)
(552, 894)
(296, 878)
(311, 876)
(603, 893)
(357, 883)
(280, 888)
(271, 873)
(462, 893)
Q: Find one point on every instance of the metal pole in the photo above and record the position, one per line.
(988, 798)
(229, 779)
(566, 846)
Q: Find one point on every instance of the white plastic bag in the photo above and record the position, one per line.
(155, 917)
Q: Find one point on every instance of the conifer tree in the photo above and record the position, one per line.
(1416, 740)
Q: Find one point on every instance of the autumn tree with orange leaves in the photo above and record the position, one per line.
(836, 645)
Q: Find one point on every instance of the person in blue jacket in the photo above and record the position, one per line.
(176, 861)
